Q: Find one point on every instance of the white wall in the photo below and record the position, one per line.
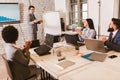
(93, 12)
(60, 5)
(109, 9)
(116, 8)
(107, 12)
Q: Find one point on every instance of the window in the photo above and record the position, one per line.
(74, 12)
(78, 11)
(119, 11)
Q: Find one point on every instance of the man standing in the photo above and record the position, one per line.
(32, 21)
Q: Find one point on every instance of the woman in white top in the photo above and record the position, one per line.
(18, 59)
(89, 30)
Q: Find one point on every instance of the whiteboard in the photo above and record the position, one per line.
(52, 23)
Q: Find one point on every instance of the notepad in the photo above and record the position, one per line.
(87, 56)
(95, 56)
(98, 56)
(64, 64)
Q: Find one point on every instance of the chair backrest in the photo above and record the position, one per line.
(7, 68)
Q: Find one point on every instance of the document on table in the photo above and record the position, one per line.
(64, 64)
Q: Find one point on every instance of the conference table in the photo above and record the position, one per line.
(83, 69)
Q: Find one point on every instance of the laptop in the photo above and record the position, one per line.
(35, 43)
(45, 48)
(97, 57)
(73, 39)
(96, 45)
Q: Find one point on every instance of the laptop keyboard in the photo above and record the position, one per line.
(42, 50)
(44, 47)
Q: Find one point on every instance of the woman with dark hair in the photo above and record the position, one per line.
(88, 31)
(113, 41)
(18, 59)
(90, 23)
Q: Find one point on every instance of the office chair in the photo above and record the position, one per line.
(10, 77)
(9, 73)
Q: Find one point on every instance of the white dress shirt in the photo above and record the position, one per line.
(114, 33)
(10, 50)
(88, 33)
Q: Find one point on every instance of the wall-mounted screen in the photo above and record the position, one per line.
(9, 13)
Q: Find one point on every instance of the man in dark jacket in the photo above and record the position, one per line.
(113, 41)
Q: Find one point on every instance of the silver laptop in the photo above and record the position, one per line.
(96, 45)
(97, 57)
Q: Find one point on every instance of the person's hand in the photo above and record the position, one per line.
(36, 21)
(103, 38)
(40, 21)
(78, 54)
(27, 45)
(79, 32)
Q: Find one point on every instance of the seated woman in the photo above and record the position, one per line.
(88, 31)
(113, 42)
(18, 59)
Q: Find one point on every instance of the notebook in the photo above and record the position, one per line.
(98, 56)
(87, 56)
(65, 64)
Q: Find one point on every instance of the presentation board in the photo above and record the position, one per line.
(52, 23)
(9, 13)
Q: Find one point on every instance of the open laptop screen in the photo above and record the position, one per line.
(72, 39)
(35, 43)
(49, 40)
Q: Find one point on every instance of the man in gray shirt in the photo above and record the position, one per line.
(32, 21)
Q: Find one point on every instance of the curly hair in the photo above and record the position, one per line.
(10, 34)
